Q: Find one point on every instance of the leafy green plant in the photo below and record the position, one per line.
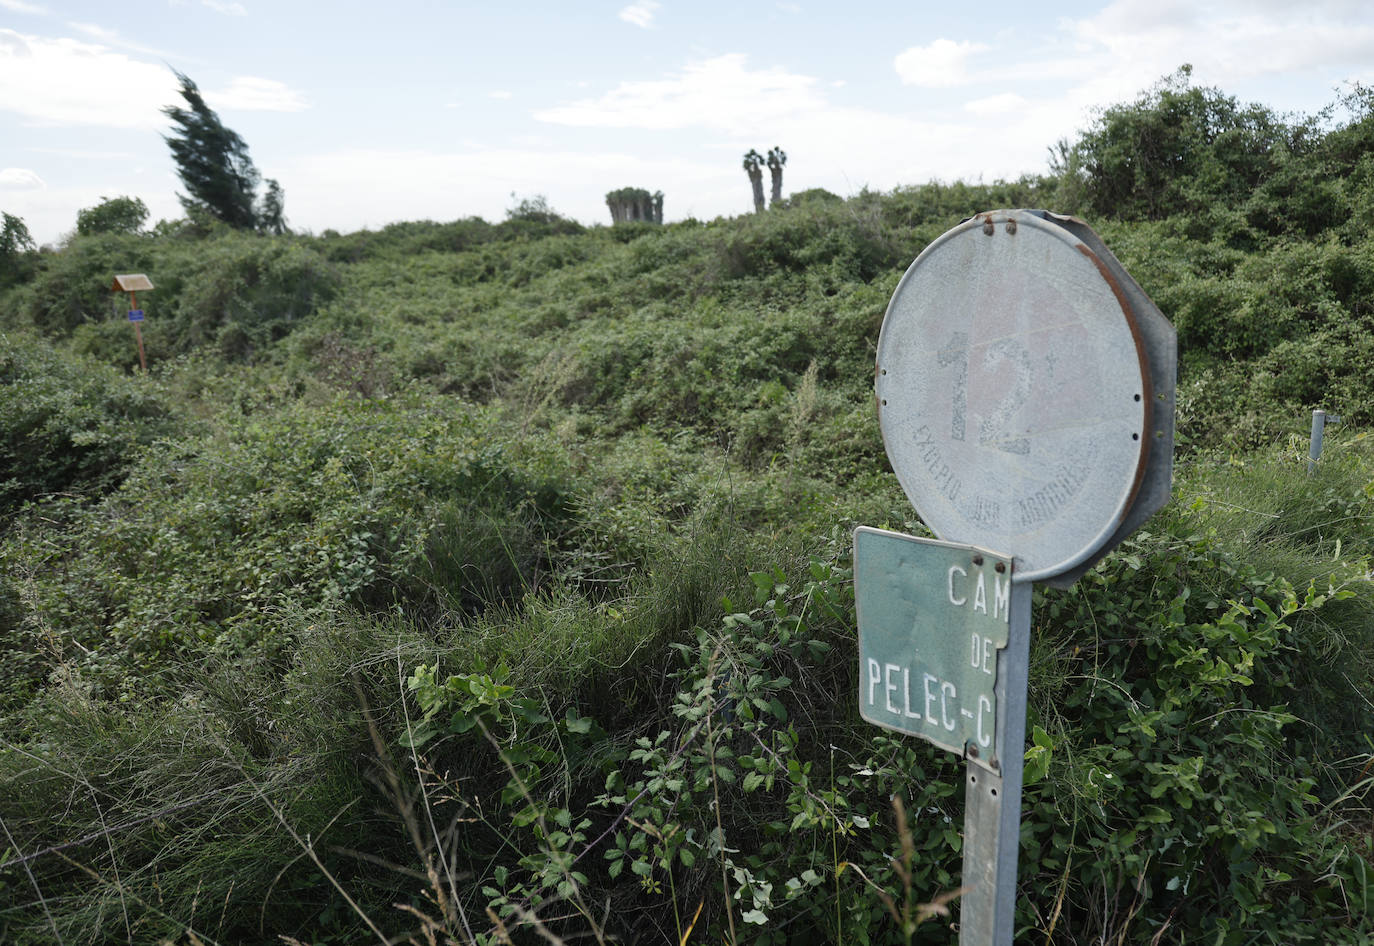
(71, 425)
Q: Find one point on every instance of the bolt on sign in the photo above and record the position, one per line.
(1025, 388)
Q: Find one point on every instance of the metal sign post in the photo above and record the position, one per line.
(1025, 389)
(992, 796)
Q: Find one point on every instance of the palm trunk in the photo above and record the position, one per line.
(756, 180)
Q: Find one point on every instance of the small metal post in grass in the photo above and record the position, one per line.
(1314, 452)
(133, 283)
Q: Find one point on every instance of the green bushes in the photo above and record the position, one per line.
(70, 425)
(237, 292)
(1194, 746)
(695, 760)
(1177, 149)
(306, 510)
(243, 294)
(817, 236)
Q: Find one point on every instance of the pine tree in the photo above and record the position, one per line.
(214, 165)
(271, 215)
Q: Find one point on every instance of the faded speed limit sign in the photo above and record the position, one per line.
(1025, 388)
(1024, 384)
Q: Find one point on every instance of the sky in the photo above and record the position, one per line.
(371, 113)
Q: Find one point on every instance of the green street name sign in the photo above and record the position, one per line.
(932, 617)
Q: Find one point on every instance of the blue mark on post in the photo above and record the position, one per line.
(135, 315)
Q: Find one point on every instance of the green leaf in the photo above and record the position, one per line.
(1038, 756)
(577, 724)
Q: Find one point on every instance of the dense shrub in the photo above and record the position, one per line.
(71, 425)
(306, 509)
(112, 215)
(239, 292)
(1178, 149)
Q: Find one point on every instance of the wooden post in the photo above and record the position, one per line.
(138, 333)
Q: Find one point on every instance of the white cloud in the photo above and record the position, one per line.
(69, 82)
(997, 104)
(85, 154)
(721, 93)
(228, 9)
(499, 94)
(941, 64)
(254, 94)
(112, 38)
(20, 179)
(19, 6)
(716, 109)
(708, 113)
(1233, 39)
(96, 32)
(418, 185)
(641, 14)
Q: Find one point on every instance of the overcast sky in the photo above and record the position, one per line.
(372, 113)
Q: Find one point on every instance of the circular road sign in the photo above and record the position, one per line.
(1013, 392)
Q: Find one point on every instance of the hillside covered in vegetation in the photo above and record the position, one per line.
(489, 582)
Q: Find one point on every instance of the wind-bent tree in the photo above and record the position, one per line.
(213, 163)
(776, 159)
(753, 166)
